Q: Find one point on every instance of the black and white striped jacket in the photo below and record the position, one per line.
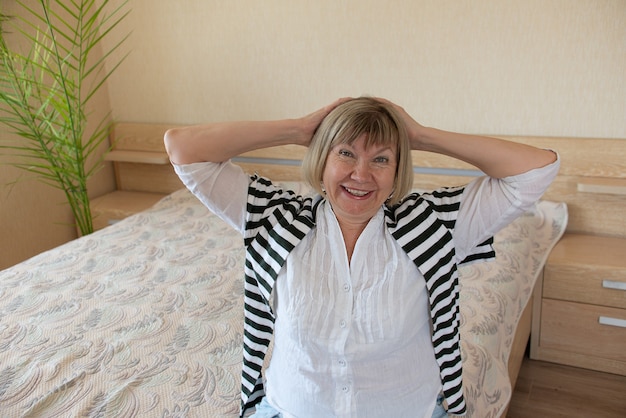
(422, 224)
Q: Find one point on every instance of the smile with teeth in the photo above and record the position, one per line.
(355, 192)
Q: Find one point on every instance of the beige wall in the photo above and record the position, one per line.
(525, 67)
(530, 67)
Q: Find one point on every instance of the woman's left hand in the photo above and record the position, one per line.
(495, 157)
(414, 129)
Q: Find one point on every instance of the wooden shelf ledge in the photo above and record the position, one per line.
(143, 157)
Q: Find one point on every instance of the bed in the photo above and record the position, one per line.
(144, 317)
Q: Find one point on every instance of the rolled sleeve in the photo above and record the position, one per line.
(221, 187)
(490, 204)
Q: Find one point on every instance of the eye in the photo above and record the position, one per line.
(381, 159)
(345, 153)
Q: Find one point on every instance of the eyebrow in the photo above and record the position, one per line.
(385, 149)
(372, 146)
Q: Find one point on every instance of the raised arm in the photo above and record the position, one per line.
(495, 157)
(219, 142)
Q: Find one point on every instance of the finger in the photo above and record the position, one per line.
(339, 101)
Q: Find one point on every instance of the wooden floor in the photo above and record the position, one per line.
(546, 390)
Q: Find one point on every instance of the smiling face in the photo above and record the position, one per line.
(358, 128)
(358, 179)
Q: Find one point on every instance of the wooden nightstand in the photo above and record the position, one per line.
(120, 204)
(143, 173)
(579, 314)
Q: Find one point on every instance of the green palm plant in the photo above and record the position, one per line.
(45, 93)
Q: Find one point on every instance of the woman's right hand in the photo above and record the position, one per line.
(312, 121)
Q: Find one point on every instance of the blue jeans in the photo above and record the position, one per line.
(439, 411)
(264, 410)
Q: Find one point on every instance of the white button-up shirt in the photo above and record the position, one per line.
(344, 332)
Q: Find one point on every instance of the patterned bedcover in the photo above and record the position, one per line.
(144, 318)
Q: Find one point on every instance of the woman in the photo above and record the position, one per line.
(357, 286)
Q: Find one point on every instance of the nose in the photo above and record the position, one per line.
(361, 171)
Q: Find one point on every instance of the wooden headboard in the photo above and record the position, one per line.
(592, 179)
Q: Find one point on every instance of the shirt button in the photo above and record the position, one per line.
(342, 363)
(342, 324)
(345, 389)
(346, 287)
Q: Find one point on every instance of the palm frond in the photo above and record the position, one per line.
(45, 93)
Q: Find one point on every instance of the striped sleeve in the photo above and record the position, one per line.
(446, 202)
(423, 226)
(277, 220)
